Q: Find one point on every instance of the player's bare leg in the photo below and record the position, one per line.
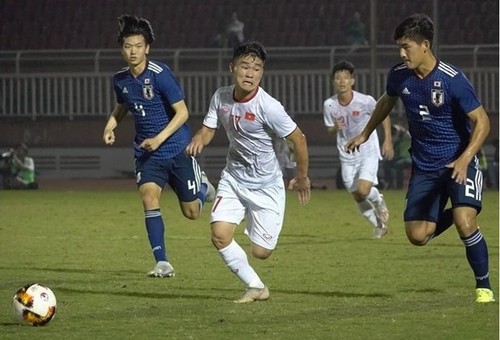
(237, 261)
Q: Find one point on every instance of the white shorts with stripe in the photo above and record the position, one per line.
(263, 208)
(366, 169)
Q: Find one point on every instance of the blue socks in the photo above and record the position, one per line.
(202, 194)
(475, 249)
(477, 255)
(156, 230)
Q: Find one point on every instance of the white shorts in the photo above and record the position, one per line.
(367, 169)
(264, 209)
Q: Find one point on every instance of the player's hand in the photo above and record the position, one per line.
(303, 187)
(459, 173)
(108, 137)
(387, 151)
(150, 144)
(354, 144)
(195, 147)
(339, 123)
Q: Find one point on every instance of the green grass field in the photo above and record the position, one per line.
(328, 279)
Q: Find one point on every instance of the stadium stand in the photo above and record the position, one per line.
(52, 110)
(91, 24)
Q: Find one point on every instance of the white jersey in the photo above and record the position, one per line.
(355, 116)
(251, 127)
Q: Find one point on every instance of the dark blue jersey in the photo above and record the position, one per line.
(149, 98)
(436, 109)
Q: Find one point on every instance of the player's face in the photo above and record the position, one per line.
(412, 52)
(135, 50)
(342, 81)
(247, 73)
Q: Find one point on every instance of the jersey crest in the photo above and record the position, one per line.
(437, 97)
(147, 91)
(249, 116)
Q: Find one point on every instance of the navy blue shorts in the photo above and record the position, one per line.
(428, 193)
(182, 173)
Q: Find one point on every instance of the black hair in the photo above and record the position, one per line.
(343, 65)
(417, 27)
(250, 48)
(133, 25)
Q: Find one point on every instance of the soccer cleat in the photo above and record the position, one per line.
(210, 197)
(254, 294)
(379, 232)
(484, 295)
(162, 269)
(381, 210)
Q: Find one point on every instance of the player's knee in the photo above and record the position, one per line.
(359, 195)
(150, 195)
(220, 241)
(191, 210)
(150, 202)
(191, 213)
(419, 233)
(222, 234)
(418, 241)
(261, 253)
(418, 238)
(466, 225)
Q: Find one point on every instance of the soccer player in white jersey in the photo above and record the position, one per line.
(149, 90)
(251, 185)
(448, 125)
(345, 115)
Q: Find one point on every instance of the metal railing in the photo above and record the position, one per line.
(217, 59)
(80, 94)
(79, 83)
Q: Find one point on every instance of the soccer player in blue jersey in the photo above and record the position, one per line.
(149, 90)
(448, 126)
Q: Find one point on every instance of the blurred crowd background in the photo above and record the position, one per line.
(57, 59)
(90, 24)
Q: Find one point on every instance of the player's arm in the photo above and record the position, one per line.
(181, 116)
(480, 131)
(18, 162)
(202, 138)
(116, 116)
(387, 146)
(332, 130)
(382, 109)
(331, 125)
(301, 182)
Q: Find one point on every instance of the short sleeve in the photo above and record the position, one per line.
(390, 87)
(278, 120)
(169, 87)
(464, 94)
(211, 119)
(327, 116)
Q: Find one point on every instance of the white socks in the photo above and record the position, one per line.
(374, 196)
(236, 259)
(368, 212)
(367, 207)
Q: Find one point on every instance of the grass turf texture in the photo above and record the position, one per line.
(328, 279)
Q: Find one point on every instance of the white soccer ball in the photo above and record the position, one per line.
(34, 304)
